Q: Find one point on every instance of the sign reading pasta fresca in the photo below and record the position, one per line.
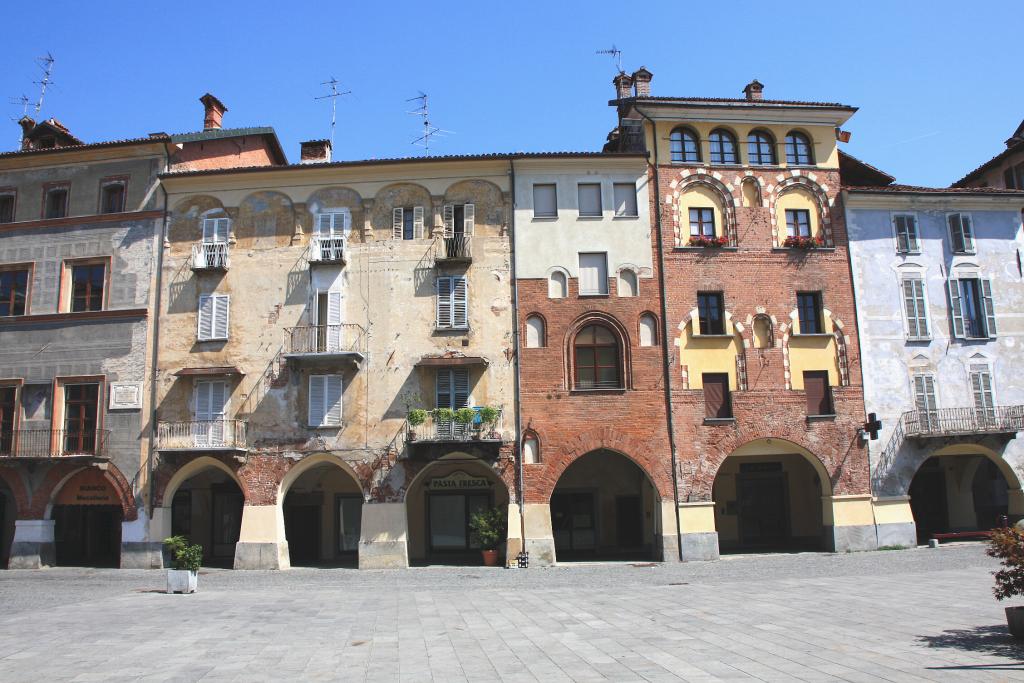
(458, 481)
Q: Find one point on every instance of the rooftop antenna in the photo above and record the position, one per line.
(46, 64)
(24, 101)
(333, 97)
(430, 131)
(616, 55)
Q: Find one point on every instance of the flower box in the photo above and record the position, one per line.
(804, 242)
(709, 242)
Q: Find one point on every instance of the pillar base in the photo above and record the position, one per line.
(669, 547)
(33, 546)
(383, 542)
(848, 523)
(698, 538)
(142, 555)
(261, 541)
(262, 555)
(894, 522)
(540, 540)
(699, 547)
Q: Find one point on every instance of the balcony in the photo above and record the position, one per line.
(211, 256)
(327, 249)
(342, 342)
(53, 443)
(963, 421)
(435, 436)
(455, 249)
(201, 435)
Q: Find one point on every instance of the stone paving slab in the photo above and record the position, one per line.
(884, 616)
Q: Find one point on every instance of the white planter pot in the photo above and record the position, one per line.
(181, 581)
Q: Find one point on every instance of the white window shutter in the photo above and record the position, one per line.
(902, 237)
(220, 316)
(444, 302)
(317, 400)
(332, 401)
(955, 308)
(460, 382)
(417, 221)
(203, 411)
(468, 218)
(323, 223)
(990, 311)
(397, 221)
(333, 321)
(913, 303)
(209, 229)
(443, 392)
(912, 244)
(968, 232)
(460, 302)
(448, 214)
(981, 384)
(205, 324)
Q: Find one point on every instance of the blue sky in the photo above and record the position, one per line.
(938, 84)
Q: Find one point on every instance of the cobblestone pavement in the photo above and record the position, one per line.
(906, 615)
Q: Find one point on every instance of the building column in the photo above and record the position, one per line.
(848, 523)
(384, 536)
(139, 549)
(668, 534)
(698, 537)
(33, 545)
(513, 540)
(1015, 504)
(540, 540)
(894, 522)
(261, 542)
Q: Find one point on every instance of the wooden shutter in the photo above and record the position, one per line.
(203, 411)
(913, 303)
(990, 311)
(221, 304)
(417, 221)
(397, 221)
(317, 400)
(902, 234)
(333, 321)
(443, 392)
(816, 388)
(981, 384)
(205, 323)
(448, 215)
(460, 302)
(468, 218)
(956, 307)
(924, 399)
(716, 394)
(960, 233)
(460, 388)
(444, 302)
(593, 276)
(968, 232)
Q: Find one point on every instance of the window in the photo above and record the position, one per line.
(684, 146)
(534, 332)
(112, 197)
(452, 388)
(452, 303)
(625, 200)
(459, 219)
(628, 285)
(906, 233)
(970, 300)
(819, 393)
(87, 284)
(798, 223)
(81, 403)
(210, 403)
(7, 201)
(981, 386)
(717, 401)
(531, 450)
(13, 292)
(8, 417)
(213, 316)
(328, 321)
(809, 311)
(55, 202)
(711, 312)
(333, 222)
(590, 199)
(723, 147)
(648, 330)
(961, 233)
(545, 201)
(407, 222)
(702, 222)
(914, 305)
(558, 286)
(798, 150)
(925, 402)
(324, 401)
(215, 230)
(760, 148)
(597, 359)
(593, 273)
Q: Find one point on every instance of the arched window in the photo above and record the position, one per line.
(531, 450)
(627, 283)
(558, 288)
(534, 332)
(596, 352)
(798, 150)
(648, 330)
(760, 148)
(684, 146)
(723, 147)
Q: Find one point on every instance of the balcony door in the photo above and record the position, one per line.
(453, 393)
(80, 415)
(328, 321)
(210, 402)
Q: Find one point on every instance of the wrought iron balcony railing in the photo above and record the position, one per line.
(455, 248)
(961, 421)
(442, 429)
(211, 256)
(200, 435)
(53, 443)
(326, 340)
(327, 249)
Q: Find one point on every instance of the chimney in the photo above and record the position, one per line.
(213, 111)
(623, 85)
(753, 90)
(27, 124)
(642, 80)
(315, 151)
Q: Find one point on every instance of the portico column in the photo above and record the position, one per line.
(383, 536)
(894, 522)
(33, 545)
(698, 537)
(540, 540)
(261, 542)
(848, 523)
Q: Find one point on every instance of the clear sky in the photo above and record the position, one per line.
(938, 83)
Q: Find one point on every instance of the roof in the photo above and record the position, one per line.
(155, 138)
(854, 172)
(916, 189)
(1009, 151)
(730, 102)
(221, 133)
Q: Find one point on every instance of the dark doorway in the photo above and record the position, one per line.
(761, 500)
(629, 521)
(928, 500)
(227, 523)
(87, 535)
(302, 527)
(574, 522)
(448, 516)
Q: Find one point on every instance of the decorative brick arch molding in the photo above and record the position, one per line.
(12, 478)
(170, 475)
(898, 474)
(58, 476)
(789, 181)
(309, 462)
(842, 349)
(739, 331)
(597, 318)
(725, 191)
(503, 470)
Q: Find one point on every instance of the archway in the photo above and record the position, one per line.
(605, 507)
(87, 512)
(8, 513)
(769, 497)
(322, 504)
(439, 503)
(206, 507)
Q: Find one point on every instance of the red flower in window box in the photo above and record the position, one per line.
(804, 242)
(713, 242)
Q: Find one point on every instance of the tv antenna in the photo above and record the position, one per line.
(333, 97)
(46, 64)
(430, 131)
(616, 55)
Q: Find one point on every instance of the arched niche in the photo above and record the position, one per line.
(266, 220)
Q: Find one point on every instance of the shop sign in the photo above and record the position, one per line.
(458, 481)
(88, 487)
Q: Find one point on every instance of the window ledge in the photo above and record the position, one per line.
(806, 251)
(590, 218)
(625, 218)
(69, 316)
(965, 253)
(821, 418)
(615, 390)
(594, 295)
(813, 334)
(716, 335)
(719, 421)
(916, 252)
(705, 249)
(545, 218)
(451, 329)
(915, 340)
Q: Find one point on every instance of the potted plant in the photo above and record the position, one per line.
(708, 241)
(1007, 544)
(466, 417)
(796, 242)
(185, 559)
(488, 527)
(489, 416)
(415, 418)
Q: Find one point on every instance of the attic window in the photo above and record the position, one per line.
(47, 142)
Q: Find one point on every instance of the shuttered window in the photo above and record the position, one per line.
(545, 201)
(459, 219)
(407, 222)
(972, 307)
(961, 233)
(213, 316)
(914, 305)
(333, 222)
(906, 233)
(819, 393)
(589, 199)
(981, 385)
(452, 303)
(215, 230)
(717, 403)
(925, 401)
(625, 200)
(325, 400)
(452, 388)
(593, 273)
(210, 403)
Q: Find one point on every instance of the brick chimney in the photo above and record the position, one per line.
(642, 81)
(27, 123)
(623, 85)
(315, 151)
(213, 111)
(753, 90)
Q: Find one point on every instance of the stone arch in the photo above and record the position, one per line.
(448, 459)
(901, 470)
(311, 461)
(14, 482)
(266, 220)
(723, 191)
(488, 201)
(185, 221)
(399, 195)
(164, 494)
(794, 180)
(607, 320)
(57, 477)
(335, 197)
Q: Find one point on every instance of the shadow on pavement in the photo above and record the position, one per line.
(991, 640)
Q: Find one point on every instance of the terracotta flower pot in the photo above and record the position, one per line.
(490, 558)
(1015, 621)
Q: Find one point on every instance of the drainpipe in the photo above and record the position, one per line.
(667, 375)
(156, 338)
(515, 350)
